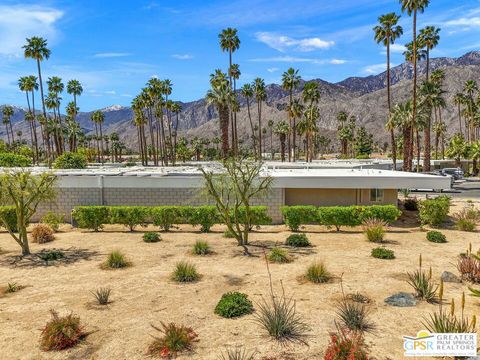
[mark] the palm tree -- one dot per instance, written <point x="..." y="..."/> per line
<point x="295" y="110"/>
<point x="7" y="113"/>
<point x="74" y="88"/>
<point x="310" y="95"/>
<point x="459" y="100"/>
<point x="247" y="93"/>
<point x="176" y="109"/>
<point x="260" y="96"/>
<point x="234" y="73"/>
<point x="457" y="149"/>
<point x="429" y="38"/>
<point x="412" y="7"/>
<point x="474" y="154"/>
<point x="290" y="82"/>
<point x="342" y="118"/>
<point x="386" y="33"/>
<point x="229" y="41"/>
<point x="98" y="118"/>
<point x="470" y="89"/>
<point x="28" y="84"/>
<point x="220" y="95"/>
<point x="282" y="129"/>
<point x="270" y="126"/>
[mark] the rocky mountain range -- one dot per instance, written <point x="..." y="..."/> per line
<point x="364" y="97"/>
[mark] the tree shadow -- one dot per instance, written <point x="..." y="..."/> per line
<point x="38" y="259"/>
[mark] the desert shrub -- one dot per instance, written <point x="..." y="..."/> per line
<point x="354" y="316"/>
<point x="423" y="284"/>
<point x="61" y="332"/>
<point x="436" y="237"/>
<point x="295" y="216"/>
<point x="346" y="345"/>
<point x="71" y="160"/>
<point x="410" y="204"/>
<point x="382" y="253"/>
<point x="297" y="240"/>
<point x="51" y="255"/>
<point x="14" y="160"/>
<point x="279" y="318"/>
<point x="237" y="353"/>
<point x="91" y="217"/>
<point x="12" y="287"/>
<point x="174" y="339"/>
<point x="42" y="233"/>
<point x="205" y="216"/>
<point x="201" y="248"/>
<point x="166" y="216"/>
<point x="434" y="212"/>
<point x="467" y="218"/>
<point x="116" y="260"/>
<point x="53" y="220"/>
<point x="185" y="272"/>
<point x="102" y="295"/>
<point x="317" y="273"/>
<point x="151" y="237"/>
<point x="468" y="265"/>
<point x="278" y="255"/>
<point x="130" y="216"/>
<point x="8" y="217"/>
<point x="233" y="304"/>
<point x="374" y="229"/>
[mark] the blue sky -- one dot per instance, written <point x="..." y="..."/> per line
<point x="114" y="47"/>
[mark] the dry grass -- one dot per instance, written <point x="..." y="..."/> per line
<point x="145" y="294"/>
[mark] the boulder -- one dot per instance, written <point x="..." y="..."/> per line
<point x="401" y="299"/>
<point x="447" y="276"/>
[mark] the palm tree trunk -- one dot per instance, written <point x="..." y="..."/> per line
<point x="389" y="99"/>
<point x="152" y="138"/>
<point x="290" y="127"/>
<point x="414" y="110"/>
<point x="417" y="134"/>
<point x="259" y="108"/>
<point x="282" y="145"/>
<point x="34" y="127"/>
<point x="101" y="143"/>
<point x="427" y="143"/>
<point x="224" y="114"/>
<point x="252" y="128"/>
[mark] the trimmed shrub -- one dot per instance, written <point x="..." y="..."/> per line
<point x="185" y="272"/>
<point x="91" y="217"/>
<point x="434" y="212"/>
<point x="53" y="220"/>
<point x="298" y="240"/>
<point x="410" y="204"/>
<point x="233" y="304"/>
<point x="295" y="216"/>
<point x="102" y="295"/>
<point x="374" y="229"/>
<point x="61" y="332"/>
<point x="174" y="339"/>
<point x="436" y="237"/>
<point x="339" y="216"/>
<point x="8" y="217"/>
<point x="205" y="216"/>
<point x="166" y="216"/>
<point x="71" y="160"/>
<point x="116" y="260"/>
<point x="42" y="233"/>
<point x="317" y="273"/>
<point x="151" y="237"/>
<point x="259" y="215"/>
<point x="201" y="248"/>
<point x="382" y="253"/>
<point x="279" y="256"/>
<point x="130" y="216"/>
<point x="14" y="160"/>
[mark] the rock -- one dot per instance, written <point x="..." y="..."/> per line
<point x="401" y="300"/>
<point x="447" y="276"/>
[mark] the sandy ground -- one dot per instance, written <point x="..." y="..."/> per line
<point x="144" y="294"/>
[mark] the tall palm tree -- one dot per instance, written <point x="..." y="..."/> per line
<point x="260" y="96"/>
<point x="474" y="154"/>
<point x="229" y="41"/>
<point x="98" y="117"/>
<point x="234" y="73"/>
<point x="7" y="113"/>
<point x="176" y="109"/>
<point x="74" y="88"/>
<point x="295" y="110"/>
<point x="311" y="97"/>
<point x="282" y="129"/>
<point x="220" y="95"/>
<point x="459" y="100"/>
<point x="290" y="82"/>
<point x="247" y="93"/>
<point x="28" y="84"/>
<point x="413" y="7"/>
<point x="270" y="127"/>
<point x="470" y="89"/>
<point x="386" y="33"/>
<point x="429" y="38"/>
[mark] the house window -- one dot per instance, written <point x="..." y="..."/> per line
<point x="376" y="195"/>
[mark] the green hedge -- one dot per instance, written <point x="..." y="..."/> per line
<point x="8" y="215"/>
<point x="434" y="212"/>
<point x="338" y="216"/>
<point x="14" y="160"/>
<point x="95" y="217"/>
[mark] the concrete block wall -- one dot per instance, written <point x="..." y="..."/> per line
<point x="68" y="198"/>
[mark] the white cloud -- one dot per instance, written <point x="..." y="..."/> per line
<point x="465" y="21"/>
<point x="182" y="56"/>
<point x="110" y="92"/>
<point x="283" y="43"/>
<point x="375" y="69"/>
<point x="111" y="55"/>
<point x="292" y="59"/>
<point x="273" y="69"/>
<point x="18" y="22"/>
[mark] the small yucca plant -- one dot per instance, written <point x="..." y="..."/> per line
<point x="354" y="316"/>
<point x="423" y="284"/>
<point x="278" y="255"/>
<point x="237" y="353"/>
<point x="185" y="272"/>
<point x="317" y="273"/>
<point x="201" y="248"/>
<point x="102" y="295"/>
